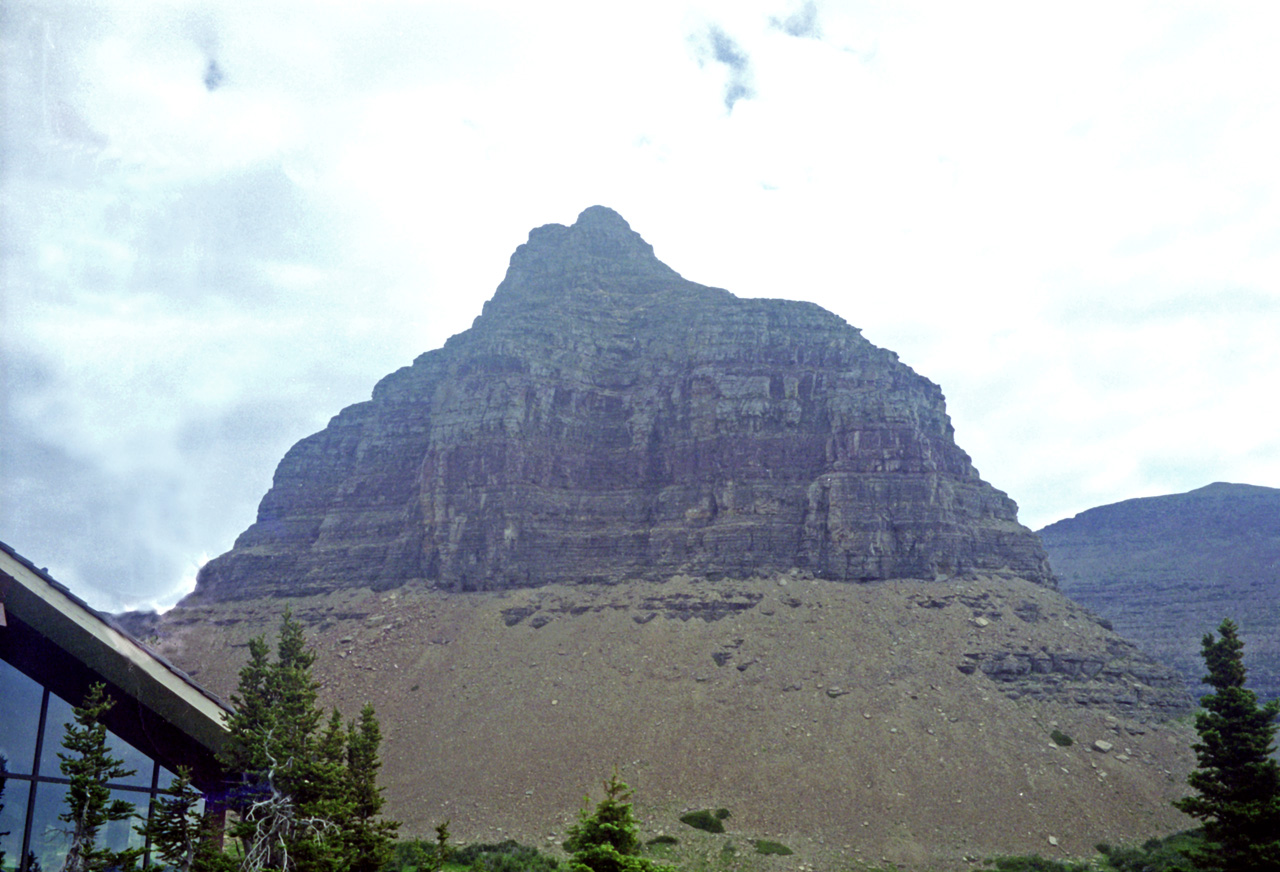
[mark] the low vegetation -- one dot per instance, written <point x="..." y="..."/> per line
<point x="764" y="846"/>
<point x="1154" y="855"/>
<point x="706" y="819"/>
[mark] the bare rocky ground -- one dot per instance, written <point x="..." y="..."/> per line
<point x="846" y="721"/>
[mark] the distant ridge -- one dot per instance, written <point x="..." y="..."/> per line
<point x="1166" y="570"/>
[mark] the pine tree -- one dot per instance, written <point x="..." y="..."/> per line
<point x="1238" y="781"/>
<point x="370" y="836"/>
<point x="608" y="840"/>
<point x="301" y="805"/>
<point x="89" y="766"/>
<point x="435" y="858"/>
<point x="181" y="835"/>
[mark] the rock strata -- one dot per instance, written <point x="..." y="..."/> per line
<point x="605" y="419"/>
<point x="1166" y="570"/>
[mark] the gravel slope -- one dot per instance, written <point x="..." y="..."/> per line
<point x="831" y="717"/>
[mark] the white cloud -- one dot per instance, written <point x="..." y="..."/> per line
<point x="1065" y="216"/>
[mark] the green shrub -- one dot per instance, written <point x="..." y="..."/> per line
<point x="524" y="860"/>
<point x="764" y="846"/>
<point x="703" y="819"/>
<point x="723" y="814"/>
<point x="1061" y="739"/>
<point x="663" y="839"/>
<point x="419" y="855"/>
<point x="1155" y="855"/>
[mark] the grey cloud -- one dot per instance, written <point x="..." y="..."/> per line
<point x="123" y="531"/>
<point x="118" y="241"/>
<point x="213" y="76"/>
<point x="96" y="532"/>
<point x="720" y="48"/>
<point x="801" y="23"/>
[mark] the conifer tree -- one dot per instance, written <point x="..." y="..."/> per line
<point x="608" y="840"/>
<point x="181" y="835"/>
<point x="441" y="851"/>
<point x="370" y="836"/>
<point x="301" y="805"/>
<point x="1238" y="782"/>
<point x="89" y="766"/>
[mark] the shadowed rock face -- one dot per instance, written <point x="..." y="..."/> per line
<point x="605" y="419"/>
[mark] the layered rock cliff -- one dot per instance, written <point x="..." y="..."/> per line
<point x="605" y="419"/>
<point x="1166" y="570"/>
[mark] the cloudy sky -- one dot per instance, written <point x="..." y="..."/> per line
<point x="224" y="221"/>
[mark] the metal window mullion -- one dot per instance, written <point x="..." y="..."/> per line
<point x="35" y="779"/>
<point x="151" y="804"/>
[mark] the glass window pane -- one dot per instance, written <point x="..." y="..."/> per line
<point x="59" y="715"/>
<point x="48" y="834"/>
<point x="21" y="718"/>
<point x="132" y="758"/>
<point x="118" y="835"/>
<point x="13" y="816"/>
<point x="55" y="730"/>
<point x="166" y="779"/>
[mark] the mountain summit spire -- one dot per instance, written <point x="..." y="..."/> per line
<point x="599" y="250"/>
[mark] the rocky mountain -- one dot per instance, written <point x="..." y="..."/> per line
<point x="726" y="546"/>
<point x="605" y="419"/>
<point x="1166" y="570"/>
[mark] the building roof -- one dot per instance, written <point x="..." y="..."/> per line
<point x="30" y="596"/>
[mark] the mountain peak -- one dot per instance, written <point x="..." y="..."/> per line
<point x="603" y="218"/>
<point x="607" y="420"/>
<point x="599" y="248"/>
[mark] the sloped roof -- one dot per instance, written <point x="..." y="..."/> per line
<point x="30" y="595"/>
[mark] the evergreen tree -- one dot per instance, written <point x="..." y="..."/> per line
<point x="181" y="835"/>
<point x="89" y="766"/>
<point x="433" y="860"/>
<point x="608" y="840"/>
<point x="369" y="836"/>
<point x="301" y="806"/>
<point x="1237" y="783"/>
<point x="333" y="743"/>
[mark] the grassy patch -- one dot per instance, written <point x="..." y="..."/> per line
<point x="1061" y="739"/>
<point x="764" y="846"/>
<point x="704" y="819"/>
